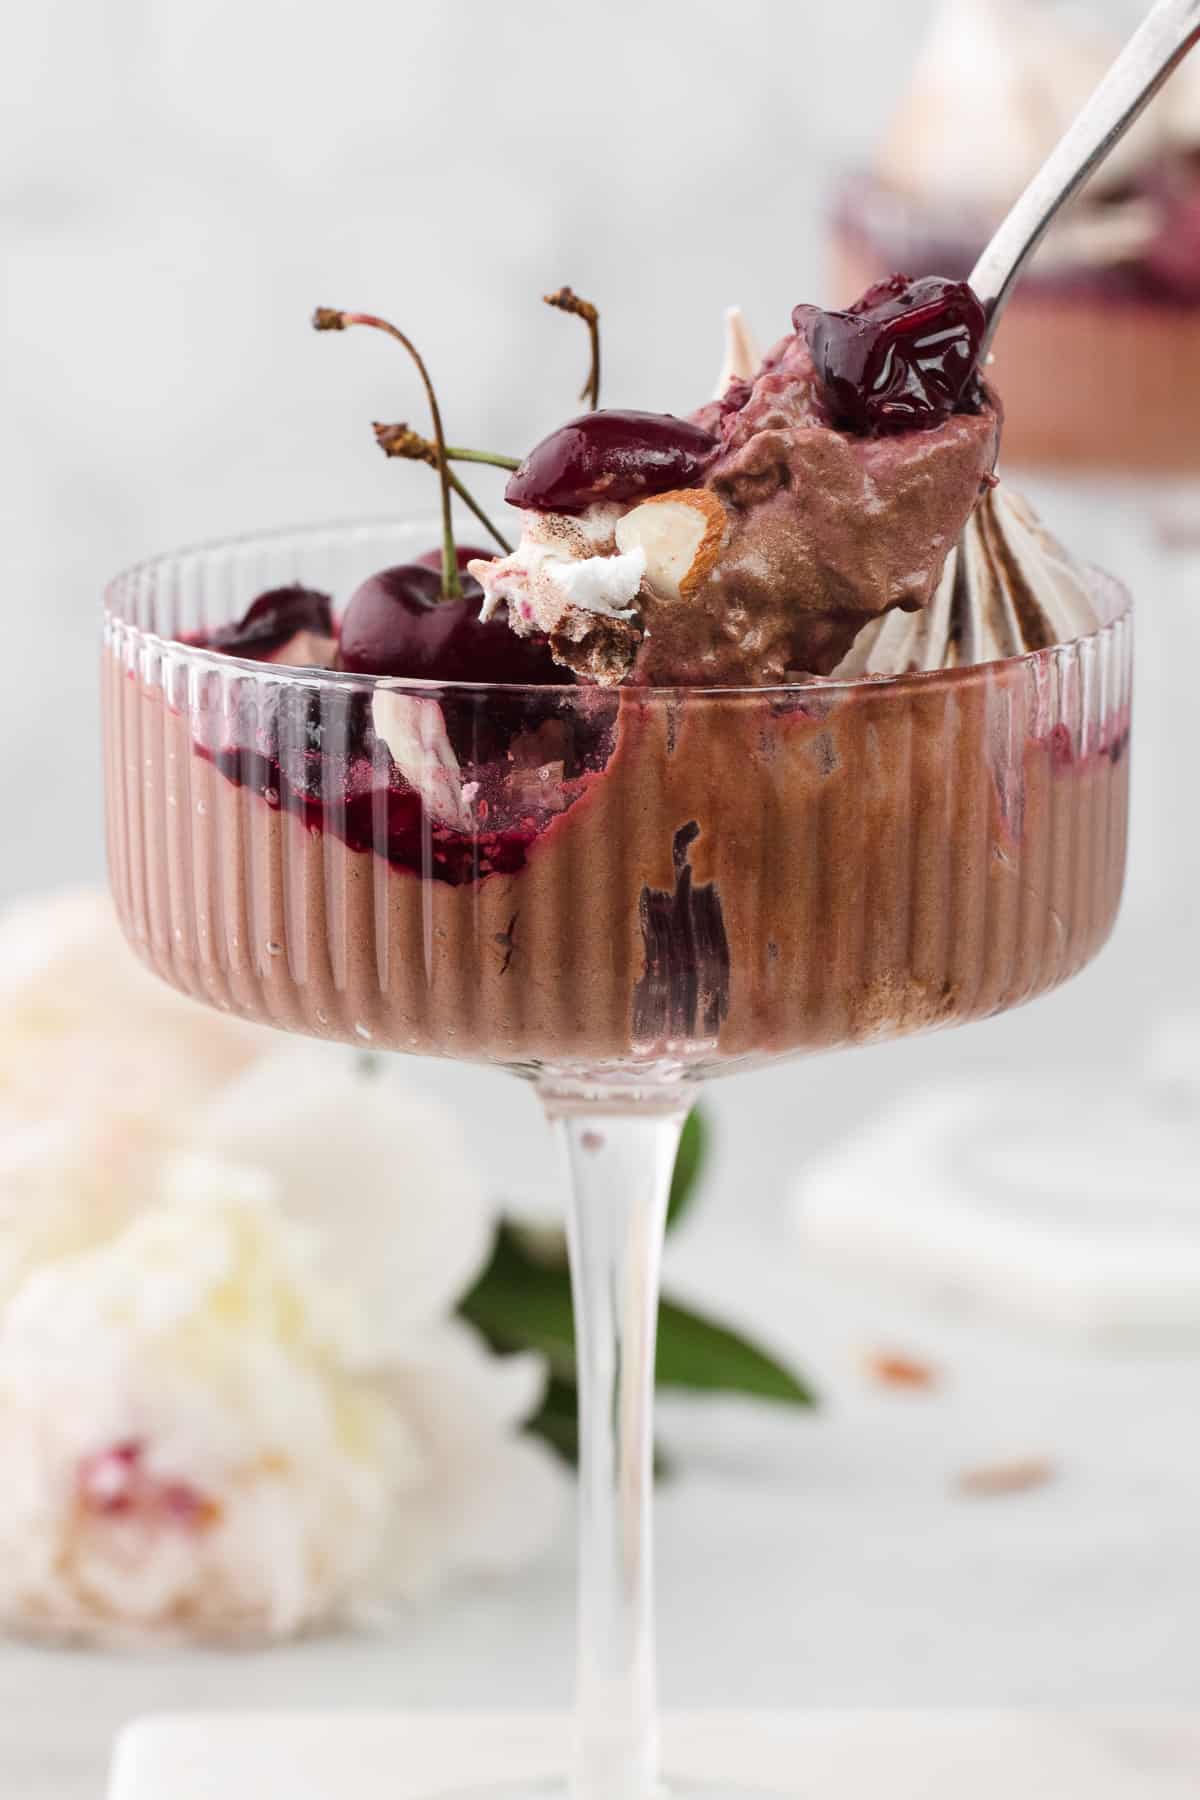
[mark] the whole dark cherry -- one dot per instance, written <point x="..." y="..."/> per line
<point x="611" y="455"/>
<point x="273" y="620"/>
<point x="396" y="623"/>
<point x="903" y="358"/>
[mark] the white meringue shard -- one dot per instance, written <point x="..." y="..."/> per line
<point x="1008" y="588"/>
<point x="742" y="355"/>
<point x="414" y="732"/>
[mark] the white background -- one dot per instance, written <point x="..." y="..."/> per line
<point x="180" y="182"/>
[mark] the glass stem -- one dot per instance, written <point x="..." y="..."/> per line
<point x="620" y="1165"/>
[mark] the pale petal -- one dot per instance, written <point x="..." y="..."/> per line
<point x="202" y="1362"/>
<point x="380" y="1171"/>
<point x="58" y="1191"/>
<point x="491" y="1499"/>
<point x="87" y="1034"/>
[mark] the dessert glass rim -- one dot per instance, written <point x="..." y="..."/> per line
<point x="1116" y="610"/>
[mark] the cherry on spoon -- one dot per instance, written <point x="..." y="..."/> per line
<point x="1156" y="48"/>
<point x="903" y="358"/>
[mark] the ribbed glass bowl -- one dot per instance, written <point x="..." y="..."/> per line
<point x="642" y="882"/>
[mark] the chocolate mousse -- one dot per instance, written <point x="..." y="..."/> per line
<point x="718" y="765"/>
<point x="824" y="492"/>
<point x="1098" y="356"/>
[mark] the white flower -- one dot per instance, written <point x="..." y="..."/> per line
<point x="234" y="1398"/>
<point x="69" y="983"/>
<point x="381" y="1171"/>
<point x="99" y="1064"/>
<point x="186" y="1444"/>
<point x="57" y="1195"/>
<point x="490" y="1498"/>
<point x="406" y="1223"/>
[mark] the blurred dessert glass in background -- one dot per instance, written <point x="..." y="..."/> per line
<point x="1098" y="358"/>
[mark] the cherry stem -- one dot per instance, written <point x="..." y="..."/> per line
<point x="566" y="300"/>
<point x="402" y="441"/>
<point x="327" y="318"/>
<point x="468" y="499"/>
<point x="457" y="454"/>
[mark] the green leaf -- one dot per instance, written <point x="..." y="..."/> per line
<point x="689" y="1166"/>
<point x="696" y="1353"/>
<point x="557" y="1420"/>
<point x="519" y="1303"/>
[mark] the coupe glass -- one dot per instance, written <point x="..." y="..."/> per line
<point x="615" y="895"/>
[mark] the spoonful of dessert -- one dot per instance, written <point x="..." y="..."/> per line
<point x="1157" y="47"/>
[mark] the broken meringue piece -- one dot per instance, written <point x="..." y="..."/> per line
<point x="573" y="535"/>
<point x="679" y="535"/>
<point x="523" y="579"/>
<point x="570" y="580"/>
<point x="742" y="355"/>
<point x="414" y="731"/>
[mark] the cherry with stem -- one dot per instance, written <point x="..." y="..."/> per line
<point x="567" y="301"/>
<point x="328" y="318"/>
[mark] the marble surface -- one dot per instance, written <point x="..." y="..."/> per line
<point x="847" y="1756"/>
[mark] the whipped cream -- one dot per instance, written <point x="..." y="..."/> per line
<point x="601" y="584"/>
<point x="1008" y="588"/>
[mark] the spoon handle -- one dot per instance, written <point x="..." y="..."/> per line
<point x="1156" y="48"/>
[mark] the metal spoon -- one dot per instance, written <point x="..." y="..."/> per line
<point x="1156" y="48"/>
